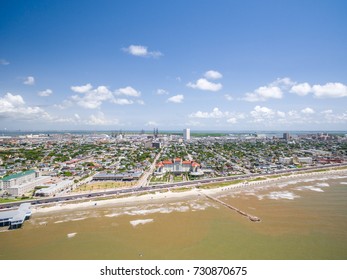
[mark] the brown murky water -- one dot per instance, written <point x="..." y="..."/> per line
<point x="301" y="220"/>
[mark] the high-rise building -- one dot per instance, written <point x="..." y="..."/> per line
<point x="186" y="134"/>
<point x="286" y="136"/>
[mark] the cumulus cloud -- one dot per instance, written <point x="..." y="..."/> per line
<point x="129" y="91"/>
<point x="329" y="90"/>
<point x="151" y="123"/>
<point x="262" y="113"/>
<point x="307" y="111"/>
<point x="333" y="90"/>
<point x="142" y="51"/>
<point x="13" y="106"/>
<point x="281" y="114"/>
<point x="215" y="113"/>
<point x="176" y="98"/>
<point x="232" y="120"/>
<point x="285" y="82"/>
<point x="100" y="119"/>
<point x="91" y="98"/>
<point x="30" y="80"/>
<point x="213" y="75"/>
<point x="204" y="84"/>
<point x="82" y="89"/>
<point x="301" y="89"/>
<point x="122" y="101"/>
<point x="327" y="111"/>
<point x="264" y="93"/>
<point x="45" y="93"/>
<point x="161" y="91"/>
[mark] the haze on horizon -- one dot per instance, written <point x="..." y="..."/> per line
<point x="215" y="65"/>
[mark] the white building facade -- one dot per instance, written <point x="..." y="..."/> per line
<point x="186" y="134"/>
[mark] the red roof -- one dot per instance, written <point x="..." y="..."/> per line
<point x="194" y="164"/>
<point x="167" y="162"/>
<point x="177" y="159"/>
<point x="186" y="162"/>
<point x="160" y="164"/>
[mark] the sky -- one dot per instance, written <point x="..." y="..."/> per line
<point x="226" y="65"/>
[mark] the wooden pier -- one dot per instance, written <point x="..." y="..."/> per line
<point x="251" y="217"/>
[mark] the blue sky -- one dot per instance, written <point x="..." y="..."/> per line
<point x="206" y="65"/>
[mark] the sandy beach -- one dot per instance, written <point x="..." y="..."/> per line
<point x="193" y="192"/>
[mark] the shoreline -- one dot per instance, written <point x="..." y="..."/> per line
<point x="185" y="194"/>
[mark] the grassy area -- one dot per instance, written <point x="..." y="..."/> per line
<point x="158" y="180"/>
<point x="103" y="186"/>
<point x="183" y="189"/>
<point x="218" y="185"/>
<point x="257" y="179"/>
<point x="7" y="200"/>
<point x="178" y="178"/>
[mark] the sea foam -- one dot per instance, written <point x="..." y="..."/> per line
<point x="72" y="234"/>
<point x="140" y="222"/>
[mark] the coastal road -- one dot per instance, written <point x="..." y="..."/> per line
<point x="163" y="186"/>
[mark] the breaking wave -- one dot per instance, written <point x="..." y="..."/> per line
<point x="140" y="222"/>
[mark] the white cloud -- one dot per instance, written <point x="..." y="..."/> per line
<point x="141" y="102"/>
<point x="215" y="113"/>
<point x="138" y="50"/>
<point x="45" y="93"/>
<point x="100" y="119"/>
<point x="204" y="84"/>
<point x="327" y="111"/>
<point x="82" y="89"/>
<point x="161" y="91"/>
<point x="283" y="82"/>
<point x="152" y="123"/>
<point x="329" y="90"/>
<point x="228" y="97"/>
<point x="261" y="113"/>
<point x="307" y="111"/>
<point x="30" y="80"/>
<point x="334" y="90"/>
<point x="301" y="89"/>
<point x="264" y="93"/>
<point x="176" y="98"/>
<point x="13" y="106"/>
<point x="281" y="114"/>
<point x="65" y="104"/>
<point x="122" y="101"/>
<point x="129" y="91"/>
<point x="91" y="98"/>
<point x="77" y="116"/>
<point x="193" y="123"/>
<point x="213" y="75"/>
<point x="4" y="62"/>
<point x="232" y="120"/>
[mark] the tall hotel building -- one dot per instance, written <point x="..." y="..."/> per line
<point x="186" y="134"/>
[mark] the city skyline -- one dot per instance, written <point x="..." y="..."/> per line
<point x="228" y="65"/>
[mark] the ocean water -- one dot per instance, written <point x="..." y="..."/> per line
<point x="300" y="219"/>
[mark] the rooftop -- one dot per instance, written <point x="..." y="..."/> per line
<point x="17" y="175"/>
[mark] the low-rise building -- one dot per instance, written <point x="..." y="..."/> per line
<point x="52" y="189"/>
<point x="19" y="178"/>
<point x="126" y="176"/>
<point x="285" y="160"/>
